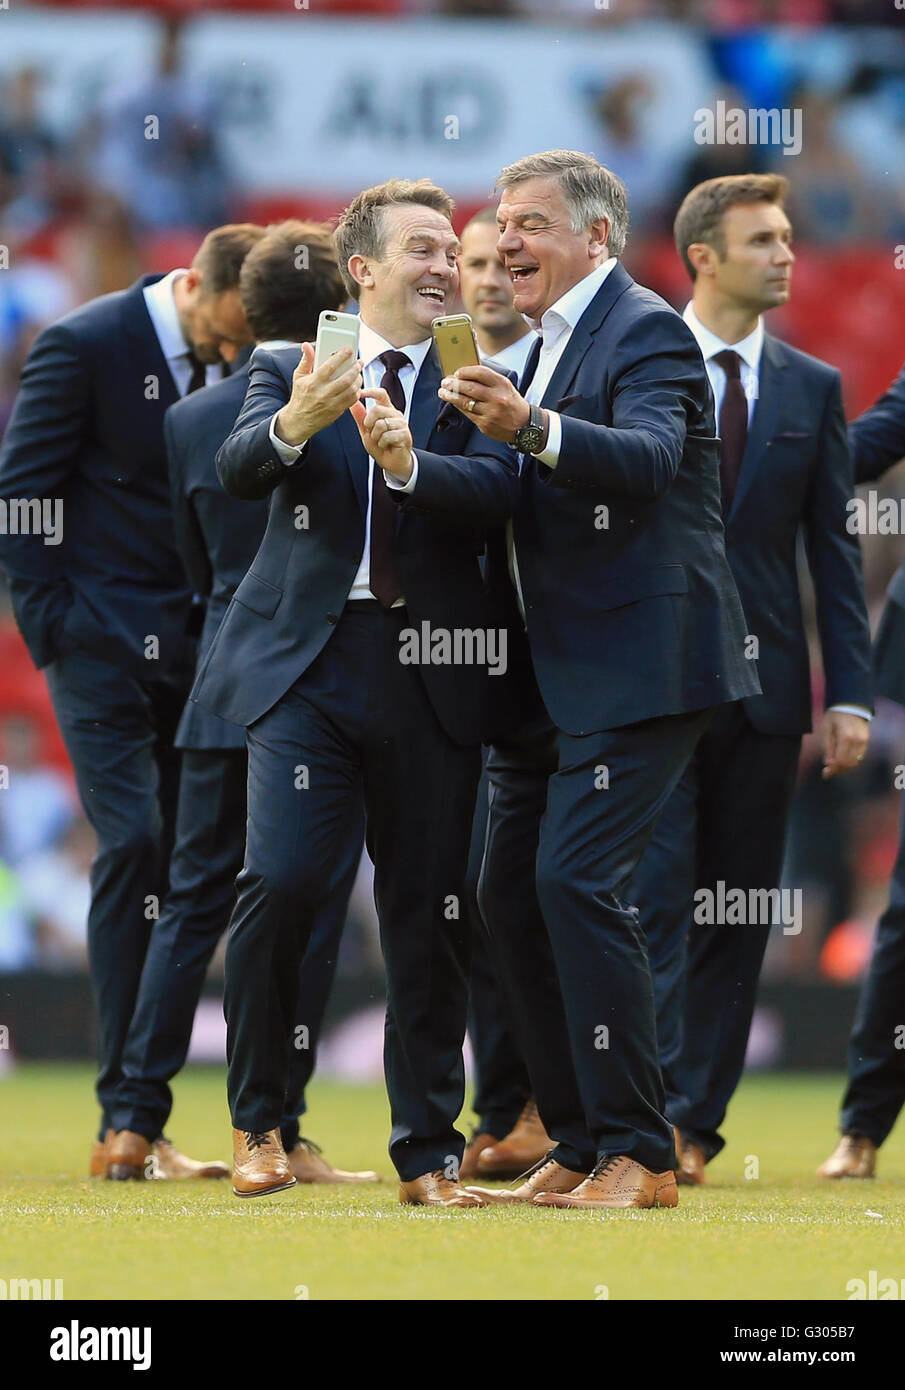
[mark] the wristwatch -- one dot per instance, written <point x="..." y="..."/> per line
<point x="530" y="437"/>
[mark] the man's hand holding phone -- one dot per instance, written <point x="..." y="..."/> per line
<point x="318" y="397"/>
<point x="385" y="434"/>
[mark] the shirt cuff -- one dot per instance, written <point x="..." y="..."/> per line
<point x="550" y="454"/>
<point x="394" y="483"/>
<point x="288" y="453"/>
<point x="851" y="709"/>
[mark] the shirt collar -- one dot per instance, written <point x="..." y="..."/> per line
<point x="273" y="343"/>
<point x="164" y="318"/>
<point x="371" y="345"/>
<point x="570" y="306"/>
<point x="749" y="349"/>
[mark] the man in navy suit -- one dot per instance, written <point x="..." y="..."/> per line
<point x="635" y="633"/>
<point x="876" y="1060"/>
<point x="344" y="653"/>
<point x="106" y="613"/>
<point x="217" y="538"/>
<point x="785" y="470"/>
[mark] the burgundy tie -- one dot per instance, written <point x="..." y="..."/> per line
<point x="384" y="581"/>
<point x="733" y="425"/>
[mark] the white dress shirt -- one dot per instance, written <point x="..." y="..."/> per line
<point x="749" y="350"/>
<point x="165" y="322"/>
<point x="556" y="327"/>
<point x="513" y="357"/>
<point x="370" y="346"/>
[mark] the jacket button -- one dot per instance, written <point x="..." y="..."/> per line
<point x="332" y="619"/>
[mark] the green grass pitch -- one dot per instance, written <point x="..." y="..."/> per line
<point x="781" y="1234"/>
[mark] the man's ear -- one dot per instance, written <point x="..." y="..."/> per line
<point x="360" y="270"/>
<point x="193" y="279"/>
<point x="703" y="257"/>
<point x="599" y="237"/>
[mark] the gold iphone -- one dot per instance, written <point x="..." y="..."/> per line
<point x="456" y="343"/>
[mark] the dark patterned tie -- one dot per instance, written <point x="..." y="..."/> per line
<point x="733" y="425"/>
<point x="384" y="581"/>
<point x="199" y="374"/>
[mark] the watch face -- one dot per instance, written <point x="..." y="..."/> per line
<point x="529" y="438"/>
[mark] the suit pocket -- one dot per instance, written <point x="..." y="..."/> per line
<point x="663" y="579"/>
<point x="260" y="596"/>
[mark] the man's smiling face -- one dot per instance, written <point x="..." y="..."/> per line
<point x="541" y="253"/>
<point x="416" y="277"/>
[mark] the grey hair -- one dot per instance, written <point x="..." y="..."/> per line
<point x="590" y="190"/>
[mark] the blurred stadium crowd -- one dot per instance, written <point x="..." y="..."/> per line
<point x="87" y="205"/>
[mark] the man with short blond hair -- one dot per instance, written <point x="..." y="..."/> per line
<point x="325" y="618"/>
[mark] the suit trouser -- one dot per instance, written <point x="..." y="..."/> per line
<point x="876" y="1056"/>
<point x="357" y="712"/>
<point x="207" y="856"/>
<point x="569" y="819"/>
<point x="500" y="1074"/>
<point x="119" y="734"/>
<point x="726" y="821"/>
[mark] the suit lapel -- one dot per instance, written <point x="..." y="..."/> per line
<point x="356" y="457"/>
<point x="425" y="401"/>
<point x="144" y="343"/>
<point x="615" y="284"/>
<point x="763" y="421"/>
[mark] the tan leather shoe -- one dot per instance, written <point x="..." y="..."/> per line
<point x="546" y="1176"/>
<point x="98" y="1165"/>
<point x="260" y="1164"/>
<point x="167" y="1162"/>
<point x="473" y="1150"/>
<point x="618" y="1182"/>
<point x="307" y="1164"/>
<point x="436" y="1190"/>
<point x="692" y="1162"/>
<point x="525" y="1144"/>
<point x="853" y="1157"/>
<point x="129" y="1157"/>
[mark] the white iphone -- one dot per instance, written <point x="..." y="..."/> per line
<point x="336" y="331"/>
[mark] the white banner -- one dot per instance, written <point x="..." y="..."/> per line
<point x="329" y="106"/>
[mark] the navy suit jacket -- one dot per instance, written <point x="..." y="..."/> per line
<point x="630" y="605"/>
<point x="796" y="476"/>
<point x="216" y="535"/>
<point x="289" y="602"/>
<point x="878" y="443"/>
<point x="87" y="427"/>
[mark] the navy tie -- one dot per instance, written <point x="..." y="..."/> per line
<point x="384" y="581"/>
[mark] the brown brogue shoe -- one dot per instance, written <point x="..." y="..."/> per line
<point x="129" y="1157"/>
<point x="260" y="1164"/>
<point x="525" y="1144"/>
<point x="692" y="1162"/>
<point x="167" y="1162"/>
<point x="473" y="1149"/>
<point x="437" y="1190"/>
<point x="853" y="1157"/>
<point x="546" y="1176"/>
<point x="98" y="1165"/>
<point x="307" y="1164"/>
<point x="618" y="1182"/>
